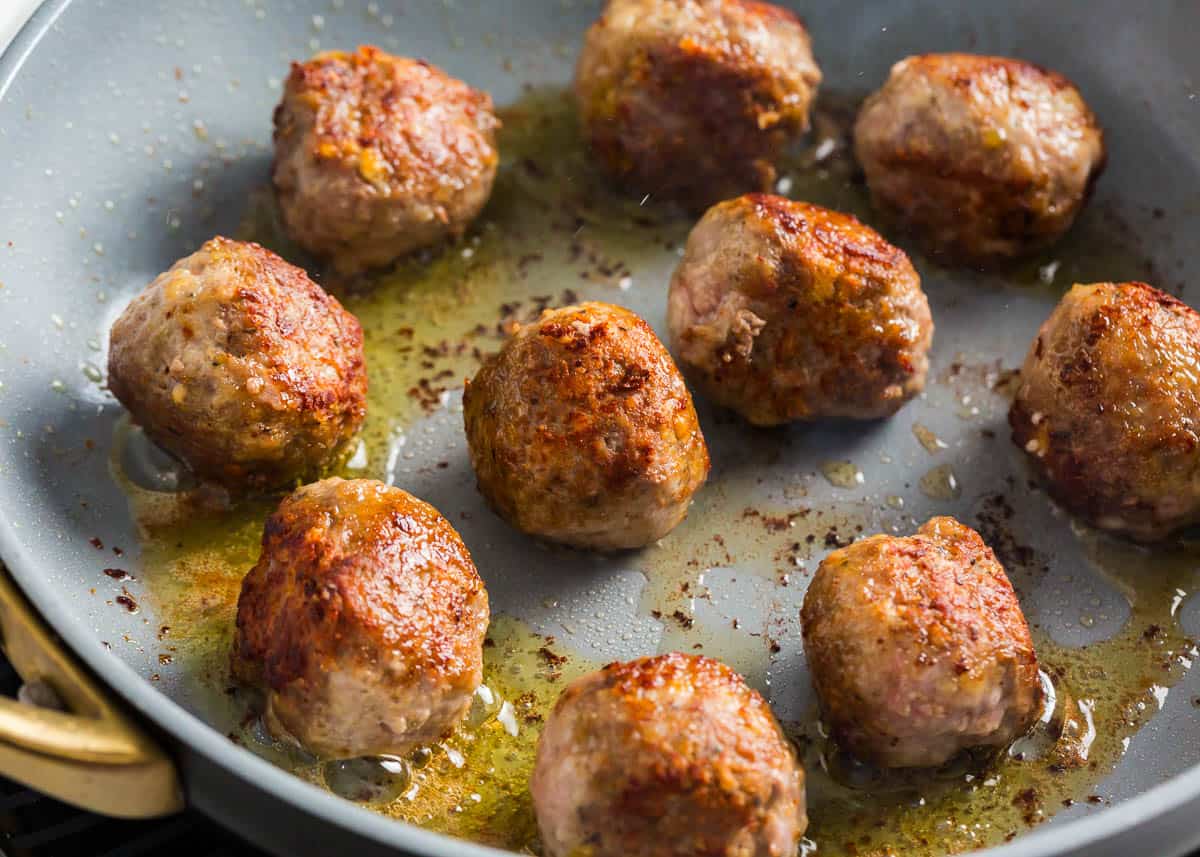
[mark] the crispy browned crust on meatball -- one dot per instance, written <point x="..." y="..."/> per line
<point x="239" y="364"/>
<point x="918" y="647"/>
<point x="582" y="431"/>
<point x="785" y="311"/>
<point x="363" y="620"/>
<point x="1109" y="408"/>
<point x="694" y="99"/>
<point x="378" y="155"/>
<point x="983" y="158"/>
<point x="670" y="755"/>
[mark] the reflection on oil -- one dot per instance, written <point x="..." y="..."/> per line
<point x="430" y="320"/>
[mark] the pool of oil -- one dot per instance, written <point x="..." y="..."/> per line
<point x="729" y="581"/>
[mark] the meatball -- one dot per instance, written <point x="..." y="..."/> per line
<point x="918" y="648"/>
<point x="240" y="365"/>
<point x="694" y="99"/>
<point x="377" y="155"/>
<point x="670" y="755"/>
<point x="1109" y="408"/>
<point x="363" y="621"/>
<point x="786" y="311"/>
<point x="982" y="158"/>
<point x="581" y="430"/>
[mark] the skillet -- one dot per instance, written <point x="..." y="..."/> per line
<point x="102" y="153"/>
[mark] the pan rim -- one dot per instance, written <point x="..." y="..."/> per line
<point x="1124" y="819"/>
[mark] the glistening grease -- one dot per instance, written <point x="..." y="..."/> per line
<point x="553" y="233"/>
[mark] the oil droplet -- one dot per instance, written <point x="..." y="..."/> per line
<point x="932" y="443"/>
<point x="508" y="718"/>
<point x="1047" y="272"/>
<point x="842" y="474"/>
<point x="483" y="707"/>
<point x="145" y="465"/>
<point x="92" y="372"/>
<point x="381" y="779"/>
<point x="455" y="756"/>
<point x="895" y="501"/>
<point x="359" y="460"/>
<point x="940" y="483"/>
<point x="967" y="409"/>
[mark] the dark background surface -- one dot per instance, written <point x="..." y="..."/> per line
<point x="35" y="826"/>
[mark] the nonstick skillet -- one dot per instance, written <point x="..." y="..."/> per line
<point x="131" y="132"/>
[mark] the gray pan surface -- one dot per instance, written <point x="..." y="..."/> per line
<point x="130" y="132"/>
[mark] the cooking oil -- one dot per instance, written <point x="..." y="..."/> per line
<point x="431" y="319"/>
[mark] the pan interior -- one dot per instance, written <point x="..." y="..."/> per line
<point x="123" y="163"/>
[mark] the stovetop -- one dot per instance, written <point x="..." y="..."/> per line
<point x="32" y="825"/>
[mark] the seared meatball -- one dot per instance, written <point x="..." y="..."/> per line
<point x="694" y="99"/>
<point x="377" y="155"/>
<point x="668" y="756"/>
<point x="918" y="647"/>
<point x="1109" y="408"/>
<point x="581" y="430"/>
<point x="786" y="311"/>
<point x="363" y="621"/>
<point x="239" y="364"/>
<point x="983" y="158"/>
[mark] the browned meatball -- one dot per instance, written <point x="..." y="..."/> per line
<point x="377" y="155"/>
<point x="1109" y="408"/>
<point x="983" y="158"/>
<point x="239" y="364"/>
<point x="581" y="430"/>
<point x="694" y="99"/>
<point x="669" y="756"/>
<point x="363" y="621"/>
<point x="918" y="647"/>
<point x="786" y="311"/>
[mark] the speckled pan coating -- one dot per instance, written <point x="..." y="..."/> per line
<point x="166" y="115"/>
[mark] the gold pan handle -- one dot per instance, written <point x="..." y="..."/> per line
<point x="65" y="736"/>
